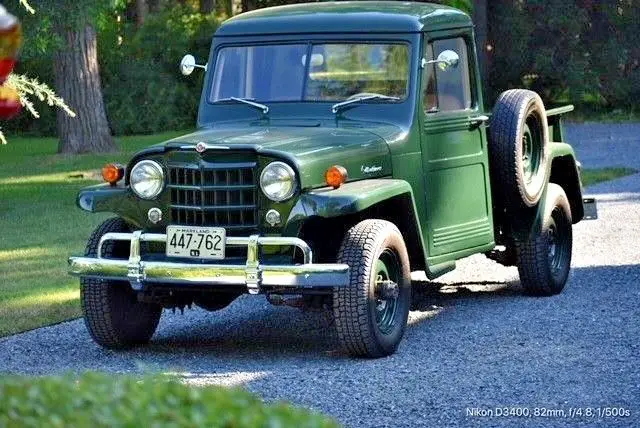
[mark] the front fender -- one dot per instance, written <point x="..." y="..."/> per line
<point x="350" y="198"/>
<point x="394" y="197"/>
<point x="118" y="200"/>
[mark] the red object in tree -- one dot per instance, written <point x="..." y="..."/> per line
<point x="6" y="67"/>
<point x="10" y="42"/>
<point x="10" y="104"/>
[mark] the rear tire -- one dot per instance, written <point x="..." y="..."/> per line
<point x="112" y="313"/>
<point x="371" y="313"/>
<point x="518" y="152"/>
<point x="544" y="260"/>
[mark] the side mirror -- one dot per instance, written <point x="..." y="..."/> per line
<point x="188" y="64"/>
<point x="446" y="60"/>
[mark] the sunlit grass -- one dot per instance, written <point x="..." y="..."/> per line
<point x="57" y="177"/>
<point x="594" y="176"/>
<point x="40" y="226"/>
<point x="54" y="298"/>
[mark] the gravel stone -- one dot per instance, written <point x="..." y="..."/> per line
<point x="474" y="340"/>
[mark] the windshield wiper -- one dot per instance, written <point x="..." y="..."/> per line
<point x="336" y="107"/>
<point x="247" y="101"/>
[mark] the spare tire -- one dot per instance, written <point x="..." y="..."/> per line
<point x="518" y="150"/>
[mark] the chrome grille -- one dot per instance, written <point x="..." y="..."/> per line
<point x="214" y="194"/>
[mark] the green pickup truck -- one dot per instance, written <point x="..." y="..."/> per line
<point x="339" y="147"/>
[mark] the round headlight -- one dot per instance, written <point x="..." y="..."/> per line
<point x="147" y="179"/>
<point x="278" y="181"/>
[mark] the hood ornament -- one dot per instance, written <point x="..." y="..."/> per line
<point x="201" y="147"/>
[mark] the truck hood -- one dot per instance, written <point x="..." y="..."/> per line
<point x="311" y="149"/>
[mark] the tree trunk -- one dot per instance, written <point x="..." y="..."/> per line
<point x="142" y="10"/>
<point x="207" y="6"/>
<point x="77" y="79"/>
<point x="480" y="21"/>
<point x="248" y="5"/>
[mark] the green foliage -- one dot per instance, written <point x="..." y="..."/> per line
<point x="100" y="400"/>
<point x="29" y="88"/>
<point x="142" y="88"/>
<point x="595" y="176"/>
<point x="577" y="51"/>
<point x="537" y="44"/>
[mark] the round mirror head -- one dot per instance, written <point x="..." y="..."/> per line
<point x="448" y="59"/>
<point x="187" y="65"/>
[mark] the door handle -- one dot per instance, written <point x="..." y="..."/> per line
<point x="478" y="120"/>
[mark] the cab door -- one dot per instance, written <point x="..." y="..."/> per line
<point x="454" y="149"/>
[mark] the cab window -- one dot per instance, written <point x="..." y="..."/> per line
<point x="450" y="89"/>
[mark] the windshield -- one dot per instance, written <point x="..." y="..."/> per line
<point x="320" y="72"/>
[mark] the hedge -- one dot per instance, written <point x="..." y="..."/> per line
<point x="100" y="400"/>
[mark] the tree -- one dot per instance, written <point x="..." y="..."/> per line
<point x="142" y="10"/>
<point x="482" y="35"/>
<point x="20" y="85"/>
<point x="207" y="6"/>
<point x="77" y="80"/>
<point x="77" y="76"/>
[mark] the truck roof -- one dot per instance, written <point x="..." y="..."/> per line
<point x="346" y="17"/>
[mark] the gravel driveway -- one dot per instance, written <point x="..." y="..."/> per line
<point x="473" y="342"/>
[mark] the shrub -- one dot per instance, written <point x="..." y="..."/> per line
<point x="142" y="87"/>
<point x="143" y="90"/>
<point x="100" y="400"/>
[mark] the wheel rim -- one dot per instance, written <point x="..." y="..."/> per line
<point x="531" y="152"/>
<point x="386" y="279"/>
<point x="558" y="242"/>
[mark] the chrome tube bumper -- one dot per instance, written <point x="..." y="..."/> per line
<point x="252" y="274"/>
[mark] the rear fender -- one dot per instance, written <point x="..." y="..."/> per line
<point x="563" y="172"/>
<point x="566" y="173"/>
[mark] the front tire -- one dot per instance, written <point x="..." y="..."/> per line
<point x="371" y="313"/>
<point x="112" y="313"/>
<point x="544" y="260"/>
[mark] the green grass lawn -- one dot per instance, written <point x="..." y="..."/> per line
<point x="40" y="226"/>
<point x="593" y="176"/>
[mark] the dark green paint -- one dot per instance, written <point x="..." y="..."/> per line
<point x="350" y="198"/>
<point x="345" y="17"/>
<point x="439" y="160"/>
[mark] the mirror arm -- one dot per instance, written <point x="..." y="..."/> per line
<point x="438" y="61"/>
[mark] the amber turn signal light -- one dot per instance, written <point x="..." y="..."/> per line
<point x="112" y="173"/>
<point x="335" y="176"/>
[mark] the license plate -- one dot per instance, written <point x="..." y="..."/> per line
<point x="196" y="242"/>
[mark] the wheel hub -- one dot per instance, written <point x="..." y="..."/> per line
<point x="386" y="291"/>
<point x="530" y="153"/>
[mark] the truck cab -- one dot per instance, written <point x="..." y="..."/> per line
<point x="339" y="147"/>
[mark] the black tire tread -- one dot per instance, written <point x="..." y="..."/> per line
<point x="351" y="304"/>
<point x="533" y="264"/>
<point x="97" y="298"/>
<point x="504" y="153"/>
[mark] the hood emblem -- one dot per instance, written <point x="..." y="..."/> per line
<point x="201" y="147"/>
<point x="365" y="169"/>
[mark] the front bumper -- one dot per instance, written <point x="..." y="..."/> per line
<point x="253" y="275"/>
